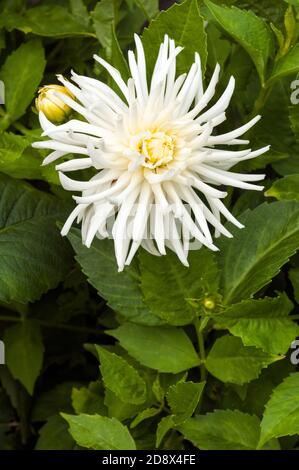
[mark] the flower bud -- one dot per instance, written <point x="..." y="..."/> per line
<point x="209" y="303"/>
<point x="51" y="105"/>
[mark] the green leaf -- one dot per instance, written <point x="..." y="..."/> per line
<point x="222" y="430"/>
<point x="54" y="435"/>
<point x="294" y="276"/>
<point x="46" y="20"/>
<point x="247" y="200"/>
<point x="21" y="74"/>
<point x="89" y="399"/>
<point x="255" y="255"/>
<point x="184" y="24"/>
<point x="12" y="147"/>
<point x="287" y="65"/>
<point x="166" y="349"/>
<point x="249" y="30"/>
<point x="24" y="352"/>
<point x="163" y="427"/>
<point x="281" y="416"/>
<point x="183" y="398"/>
<point x="230" y="361"/>
<point x="263" y="323"/>
<point x="149" y="7"/>
<point x="120" y="377"/>
<point x="279" y="133"/>
<point x="19" y="160"/>
<point x="103" y="20"/>
<point x="144" y="414"/>
<point x="34" y="257"/>
<point x="121" y="290"/>
<point x="279" y="36"/>
<point x="119" y="409"/>
<point x="99" y="433"/>
<point x="166" y="284"/>
<point x="293" y="2"/>
<point x="79" y="12"/>
<point x="219" y="48"/>
<point x="285" y="188"/>
<point x="118" y="60"/>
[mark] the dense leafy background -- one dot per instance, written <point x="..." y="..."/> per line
<point x="159" y="356"/>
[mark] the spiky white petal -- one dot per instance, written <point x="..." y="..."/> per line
<point x="154" y="153"/>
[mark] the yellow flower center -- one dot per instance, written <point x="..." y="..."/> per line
<point x="157" y="148"/>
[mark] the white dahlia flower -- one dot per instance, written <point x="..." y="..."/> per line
<point x="154" y="154"/>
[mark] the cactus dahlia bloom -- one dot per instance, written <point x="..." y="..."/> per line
<point x="155" y="155"/>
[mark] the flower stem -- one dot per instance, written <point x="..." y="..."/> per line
<point x="261" y="100"/>
<point x="19" y="127"/>
<point x="199" y="325"/>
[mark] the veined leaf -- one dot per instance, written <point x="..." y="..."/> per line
<point x="287" y="65"/>
<point x="80" y="12"/>
<point x="34" y="257"/>
<point x="222" y="430"/>
<point x="103" y="20"/>
<point x="121" y="290"/>
<point x="149" y="7"/>
<point x="99" y="432"/>
<point x="166" y="349"/>
<point x="89" y="399"/>
<point x="281" y="416"/>
<point x="120" y="377"/>
<point x="183" y="398"/>
<point x="54" y="435"/>
<point x="118" y="60"/>
<point x="184" y="24"/>
<point x="144" y="414"/>
<point x="21" y="74"/>
<point x="263" y="323"/>
<point x="230" y="361"/>
<point x="255" y="255"/>
<point x="166" y="284"/>
<point x="24" y="352"/>
<point x="46" y="20"/>
<point x="248" y="30"/>
<point x="163" y="427"/>
<point x="285" y="188"/>
<point x="18" y="160"/>
<point x="119" y="409"/>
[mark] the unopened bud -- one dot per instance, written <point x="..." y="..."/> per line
<point x="209" y="303"/>
<point x="52" y="105"/>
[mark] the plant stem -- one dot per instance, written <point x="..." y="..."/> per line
<point x="59" y="326"/>
<point x="199" y="326"/>
<point x="19" y="127"/>
<point x="4" y="122"/>
<point x="261" y="100"/>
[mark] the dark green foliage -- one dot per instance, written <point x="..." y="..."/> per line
<point x="160" y="355"/>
